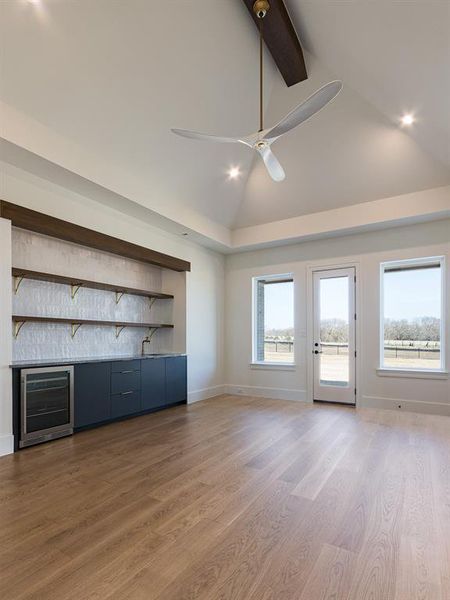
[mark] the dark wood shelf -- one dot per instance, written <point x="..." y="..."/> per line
<point x="77" y="283"/>
<point x="20" y="320"/>
<point x="31" y="220"/>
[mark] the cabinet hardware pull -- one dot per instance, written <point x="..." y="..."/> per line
<point x="126" y="393"/>
<point x="130" y="371"/>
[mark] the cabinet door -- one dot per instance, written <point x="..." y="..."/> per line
<point x="92" y="393"/>
<point x="176" y="379"/>
<point x="153" y="383"/>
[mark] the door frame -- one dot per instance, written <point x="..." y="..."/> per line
<point x="329" y="266"/>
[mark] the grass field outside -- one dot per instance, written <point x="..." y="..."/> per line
<point x="334" y="358"/>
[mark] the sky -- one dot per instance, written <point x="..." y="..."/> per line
<point x="334" y="298"/>
<point x="278" y="306"/>
<point x="407" y="295"/>
<point x="411" y="294"/>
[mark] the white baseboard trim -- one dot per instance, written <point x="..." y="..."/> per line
<point x="6" y="444"/>
<point x="205" y="393"/>
<point x="430" y="408"/>
<point x="268" y="392"/>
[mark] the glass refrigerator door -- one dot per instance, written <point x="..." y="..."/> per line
<point x="47" y="400"/>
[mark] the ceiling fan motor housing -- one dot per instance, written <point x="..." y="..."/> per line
<point x="260" y="8"/>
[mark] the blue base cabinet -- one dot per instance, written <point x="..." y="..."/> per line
<point x="106" y="391"/>
<point x="92" y="393"/>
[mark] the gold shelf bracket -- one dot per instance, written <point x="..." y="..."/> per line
<point x="75" y="328"/>
<point x="17" y="327"/>
<point x="119" y="329"/>
<point x="17" y="281"/>
<point x="119" y="296"/>
<point x="151" y="333"/>
<point x="74" y="288"/>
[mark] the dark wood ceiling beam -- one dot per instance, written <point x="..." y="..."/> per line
<point x="69" y="232"/>
<point x="282" y="41"/>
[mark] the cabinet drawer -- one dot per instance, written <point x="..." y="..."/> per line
<point x="124" y="382"/>
<point x="124" y="366"/>
<point x="126" y="403"/>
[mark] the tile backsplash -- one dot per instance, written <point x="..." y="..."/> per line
<point x="39" y="298"/>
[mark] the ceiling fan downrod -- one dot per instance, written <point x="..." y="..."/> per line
<point x="260" y="8"/>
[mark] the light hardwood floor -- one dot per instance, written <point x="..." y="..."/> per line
<point x="232" y="498"/>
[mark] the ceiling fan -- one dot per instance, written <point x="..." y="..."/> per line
<point x="262" y="140"/>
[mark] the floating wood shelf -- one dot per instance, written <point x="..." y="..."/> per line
<point x="20" y="320"/>
<point x="76" y="284"/>
<point x="31" y="220"/>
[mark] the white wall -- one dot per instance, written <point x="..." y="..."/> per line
<point x="367" y="251"/>
<point x="6" y="438"/>
<point x="204" y="284"/>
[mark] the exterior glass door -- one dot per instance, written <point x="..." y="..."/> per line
<point x="334" y="335"/>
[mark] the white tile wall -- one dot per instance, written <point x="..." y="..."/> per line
<point x="45" y="340"/>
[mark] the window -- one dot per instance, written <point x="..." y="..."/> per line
<point x="273" y="319"/>
<point x="412" y="323"/>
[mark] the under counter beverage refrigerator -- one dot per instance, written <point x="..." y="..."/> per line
<point x="46" y="404"/>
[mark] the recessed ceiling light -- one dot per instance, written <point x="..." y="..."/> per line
<point x="407" y="119"/>
<point x="234" y="173"/>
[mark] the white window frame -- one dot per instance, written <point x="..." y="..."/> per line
<point x="404" y="371"/>
<point x="263" y="364"/>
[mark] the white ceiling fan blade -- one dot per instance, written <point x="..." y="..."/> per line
<point x="273" y="166"/>
<point x="305" y="110"/>
<point x="206" y="137"/>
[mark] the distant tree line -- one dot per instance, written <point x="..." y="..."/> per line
<point x="420" y="329"/>
<point x="282" y="334"/>
<point x="336" y="330"/>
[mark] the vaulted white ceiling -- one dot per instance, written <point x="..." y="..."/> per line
<point x="95" y="86"/>
<point x="396" y="55"/>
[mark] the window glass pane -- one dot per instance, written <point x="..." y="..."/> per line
<point x="334" y="331"/>
<point x="412" y="317"/>
<point x="274" y="321"/>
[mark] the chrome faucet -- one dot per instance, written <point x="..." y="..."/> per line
<point x="146" y="340"/>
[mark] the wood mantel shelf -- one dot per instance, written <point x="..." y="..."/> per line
<point x="20" y="320"/>
<point x="77" y="283"/>
<point x="31" y="220"/>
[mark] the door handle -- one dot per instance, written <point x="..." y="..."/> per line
<point x="317" y="351"/>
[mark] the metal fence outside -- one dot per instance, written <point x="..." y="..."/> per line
<point x="420" y="350"/>
<point x="278" y="345"/>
